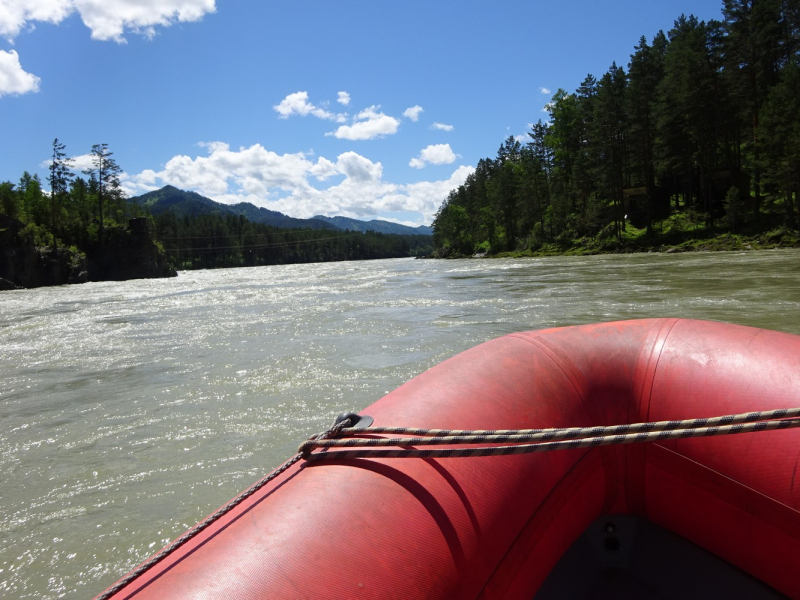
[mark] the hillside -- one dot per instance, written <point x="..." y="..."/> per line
<point x="192" y="204"/>
<point x="375" y="225"/>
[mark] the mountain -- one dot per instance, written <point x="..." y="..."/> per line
<point x="375" y="225"/>
<point x="191" y="203"/>
<point x="170" y="198"/>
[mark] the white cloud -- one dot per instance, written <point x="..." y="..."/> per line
<point x="544" y="90"/>
<point x="343" y="98"/>
<point x="213" y="146"/>
<point x="282" y="183"/>
<point x="413" y="113"/>
<point x="14" y="14"/>
<point x="358" y="168"/>
<point x="298" y="104"/>
<point x="424" y="197"/>
<point x="13" y="79"/>
<point x="368" y="124"/>
<point x="107" y="19"/>
<point x="324" y="169"/>
<point x="81" y="162"/>
<point x="437" y="154"/>
<point x="442" y="127"/>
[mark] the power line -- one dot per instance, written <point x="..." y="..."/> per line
<point x="249" y="235"/>
<point x="260" y="246"/>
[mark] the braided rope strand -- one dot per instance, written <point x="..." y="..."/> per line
<point x="653" y="436"/>
<point x="572" y="432"/>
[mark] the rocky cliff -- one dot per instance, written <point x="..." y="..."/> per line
<point x="128" y="253"/>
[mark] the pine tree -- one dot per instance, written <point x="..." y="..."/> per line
<point x="105" y="173"/>
<point x="779" y="139"/>
<point x="60" y="176"/>
<point x="752" y="51"/>
<point x="610" y="143"/>
<point x="645" y="72"/>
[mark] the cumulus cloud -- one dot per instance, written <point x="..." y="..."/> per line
<point x="343" y="98"/>
<point x="15" y="14"/>
<point x="367" y="125"/>
<point x="323" y="169"/>
<point x="544" y="90"/>
<point x="442" y="127"/>
<point x="81" y="162"/>
<point x="423" y="197"/>
<point x="358" y="168"/>
<point x="298" y="104"/>
<point x="108" y="20"/>
<point x="283" y="182"/>
<point x="437" y="154"/>
<point x="13" y="79"/>
<point x="413" y="113"/>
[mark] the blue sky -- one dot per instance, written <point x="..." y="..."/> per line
<point x="367" y="109"/>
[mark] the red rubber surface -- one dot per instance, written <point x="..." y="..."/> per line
<point x="494" y="527"/>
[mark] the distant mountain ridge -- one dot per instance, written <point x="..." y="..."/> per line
<point x="170" y="198"/>
<point x="376" y="225"/>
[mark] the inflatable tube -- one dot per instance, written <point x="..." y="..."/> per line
<point x="495" y="527"/>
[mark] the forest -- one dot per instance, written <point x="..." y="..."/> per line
<point x="86" y="215"/>
<point x="698" y="140"/>
<point x="212" y="240"/>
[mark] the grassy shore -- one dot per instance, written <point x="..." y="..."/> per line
<point x="679" y="233"/>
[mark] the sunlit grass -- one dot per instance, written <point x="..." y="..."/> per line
<point x="685" y="231"/>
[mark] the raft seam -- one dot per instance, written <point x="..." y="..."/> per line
<point x="661" y="340"/>
<point x="579" y="464"/>
<point x="609" y="457"/>
<point x="633" y="484"/>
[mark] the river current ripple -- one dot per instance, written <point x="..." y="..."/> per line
<point x="130" y="410"/>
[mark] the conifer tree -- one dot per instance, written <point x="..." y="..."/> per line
<point x="60" y="176"/>
<point x="645" y="72"/>
<point x="752" y="50"/>
<point x="105" y="172"/>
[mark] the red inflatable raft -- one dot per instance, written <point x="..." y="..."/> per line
<point x="688" y="518"/>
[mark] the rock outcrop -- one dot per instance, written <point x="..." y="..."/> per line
<point x="128" y="253"/>
<point x="6" y="285"/>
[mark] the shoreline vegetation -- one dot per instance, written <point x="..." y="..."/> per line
<point x="87" y="230"/>
<point x="677" y="234"/>
<point x="696" y="146"/>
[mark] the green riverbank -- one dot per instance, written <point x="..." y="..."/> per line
<point x="679" y="233"/>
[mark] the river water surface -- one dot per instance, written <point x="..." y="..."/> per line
<point x="129" y="411"/>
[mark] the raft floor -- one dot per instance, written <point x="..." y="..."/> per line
<point x="624" y="557"/>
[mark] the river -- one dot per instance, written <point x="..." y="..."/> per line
<point x="130" y="410"/>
